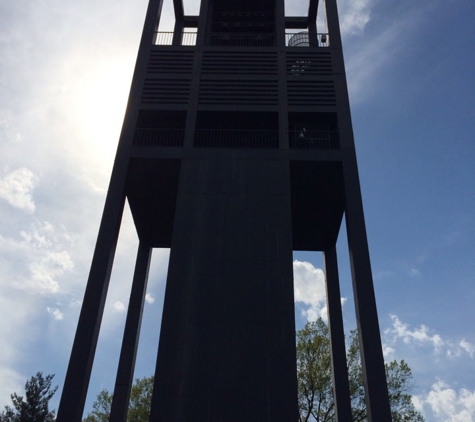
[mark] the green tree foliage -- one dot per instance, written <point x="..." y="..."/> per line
<point x="139" y="405"/>
<point x="140" y="399"/>
<point x="101" y="408"/>
<point x="34" y="406"/>
<point x="314" y="375"/>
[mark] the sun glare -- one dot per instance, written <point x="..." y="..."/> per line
<point x="101" y="105"/>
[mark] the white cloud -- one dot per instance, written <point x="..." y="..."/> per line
<point x="313" y="313"/>
<point x="387" y="350"/>
<point x="424" y="336"/>
<point x="468" y="347"/>
<point x="419" y="335"/>
<point x="354" y="15"/>
<point x="119" y="306"/>
<point x="309" y="289"/>
<point x="418" y="403"/>
<point x="310" y="292"/>
<point x="445" y="404"/>
<point x="36" y="261"/>
<point x="16" y="189"/>
<point x="75" y="303"/>
<point x="55" y="313"/>
<point x="46" y="270"/>
<point x="149" y="298"/>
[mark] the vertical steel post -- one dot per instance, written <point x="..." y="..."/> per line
<point x="372" y="361"/>
<point x="76" y="384"/>
<point x="376" y="393"/>
<point x="130" y="341"/>
<point x="341" y="388"/>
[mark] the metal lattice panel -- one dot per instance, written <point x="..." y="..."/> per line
<point x="237" y="91"/>
<point x="171" y="61"/>
<point x="215" y="62"/>
<point x="166" y="91"/>
<point x="311" y="92"/>
<point x="304" y="63"/>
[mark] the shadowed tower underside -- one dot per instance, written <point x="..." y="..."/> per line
<point x="236" y="149"/>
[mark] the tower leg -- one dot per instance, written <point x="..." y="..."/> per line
<point x="125" y="371"/>
<point x="372" y="361"/>
<point x="341" y="388"/>
<point x="73" y="398"/>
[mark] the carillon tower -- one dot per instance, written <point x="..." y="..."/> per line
<point x="236" y="149"/>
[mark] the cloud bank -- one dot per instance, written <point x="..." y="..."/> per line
<point x="423" y="336"/>
<point x="16" y="187"/>
<point x="445" y="404"/>
<point x="310" y="291"/>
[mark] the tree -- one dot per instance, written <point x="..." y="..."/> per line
<point x="34" y="407"/>
<point x="140" y="399"/>
<point x="101" y="408"/>
<point x="314" y="375"/>
<point x="139" y="404"/>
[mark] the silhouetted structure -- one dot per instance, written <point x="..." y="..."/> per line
<point x="237" y="148"/>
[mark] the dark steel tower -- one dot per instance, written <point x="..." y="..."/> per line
<point x="237" y="148"/>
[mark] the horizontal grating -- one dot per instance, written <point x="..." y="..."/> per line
<point x="235" y="39"/>
<point x="161" y="61"/>
<point x="309" y="63"/>
<point x="249" y="92"/>
<point x="211" y="138"/>
<point x="239" y="63"/>
<point x="159" y="137"/>
<point x="169" y="91"/>
<point x="167" y="38"/>
<point x="308" y="92"/>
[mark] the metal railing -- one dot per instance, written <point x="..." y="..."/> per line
<point x="166" y="38"/>
<point x="223" y="39"/>
<point x="158" y="137"/>
<point x="229" y="138"/>
<point x="314" y="139"/>
<point x="302" y="39"/>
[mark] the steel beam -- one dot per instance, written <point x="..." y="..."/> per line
<point x="372" y="361"/>
<point x="130" y="341"/>
<point x="76" y="384"/>
<point x="341" y="388"/>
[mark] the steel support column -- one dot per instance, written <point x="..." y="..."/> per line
<point x="372" y="361"/>
<point x="130" y="341"/>
<point x="341" y="388"/>
<point x="312" y="23"/>
<point x="76" y="384"/>
<point x="376" y="395"/>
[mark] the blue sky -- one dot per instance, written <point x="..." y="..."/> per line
<point x="65" y="71"/>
